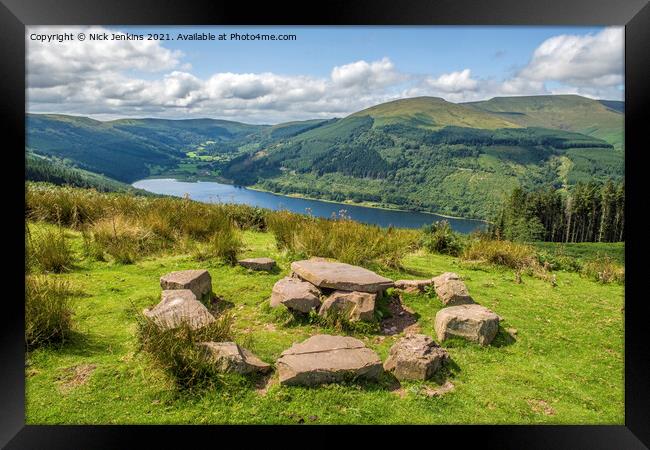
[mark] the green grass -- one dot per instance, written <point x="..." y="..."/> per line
<point x="585" y="250"/>
<point x="568" y="352"/>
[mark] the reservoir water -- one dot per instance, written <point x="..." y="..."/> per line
<point x="212" y="192"/>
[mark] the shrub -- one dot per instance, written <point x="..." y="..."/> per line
<point x="47" y="310"/>
<point x="341" y="239"/>
<point x="175" y="351"/>
<point x="440" y="238"/>
<point x="504" y="253"/>
<point x="225" y="244"/>
<point x="48" y="249"/>
<point x="604" y="269"/>
<point x="123" y="239"/>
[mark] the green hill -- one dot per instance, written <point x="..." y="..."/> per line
<point x="600" y="119"/>
<point x="431" y="113"/>
<point x="420" y="153"/>
<point x="61" y="172"/>
<point x="127" y="149"/>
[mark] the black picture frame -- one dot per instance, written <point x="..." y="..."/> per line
<point x="633" y="14"/>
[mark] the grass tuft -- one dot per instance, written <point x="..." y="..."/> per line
<point x="175" y="351"/>
<point x="48" y="315"/>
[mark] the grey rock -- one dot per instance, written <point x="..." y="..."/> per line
<point x="178" y="307"/>
<point x="474" y="322"/>
<point x="197" y="281"/>
<point x="354" y="306"/>
<point x="266" y="264"/>
<point x="412" y="286"/>
<point x="230" y="357"/>
<point x="415" y="357"/>
<point x="295" y="294"/>
<point x="453" y="292"/>
<point x="340" y="276"/>
<point x="325" y="359"/>
<point x="441" y="279"/>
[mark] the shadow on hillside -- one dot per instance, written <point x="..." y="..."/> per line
<point x="85" y="344"/>
<point x="416" y="273"/>
<point x="400" y="317"/>
<point x="218" y="304"/>
<point x="503" y="338"/>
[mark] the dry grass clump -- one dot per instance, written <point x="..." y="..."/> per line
<point x="514" y="255"/>
<point x="604" y="269"/>
<point x="175" y="351"/>
<point x="341" y="239"/>
<point x="48" y="316"/>
<point x="48" y="250"/>
<point x="122" y="238"/>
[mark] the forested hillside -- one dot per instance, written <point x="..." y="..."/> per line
<point x="405" y="153"/>
<point x="420" y="153"/>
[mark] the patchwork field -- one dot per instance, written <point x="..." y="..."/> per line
<point x="558" y="357"/>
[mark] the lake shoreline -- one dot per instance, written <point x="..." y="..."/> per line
<point x="303" y="197"/>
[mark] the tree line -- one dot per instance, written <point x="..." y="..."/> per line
<point x="588" y="212"/>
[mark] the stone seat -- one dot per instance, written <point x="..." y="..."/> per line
<point x="325" y="359"/>
<point x="340" y="276"/>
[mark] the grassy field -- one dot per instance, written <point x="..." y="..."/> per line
<point x="564" y="364"/>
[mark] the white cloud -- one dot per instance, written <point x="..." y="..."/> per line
<point x="361" y="74"/>
<point x="579" y="60"/>
<point x="142" y="78"/>
<point x="453" y="82"/>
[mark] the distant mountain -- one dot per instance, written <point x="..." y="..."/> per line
<point x="429" y="154"/>
<point x="126" y="149"/>
<point x="420" y="153"/>
<point x="599" y="118"/>
<point x="431" y="113"/>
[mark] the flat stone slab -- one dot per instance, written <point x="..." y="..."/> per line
<point x="325" y="359"/>
<point x="412" y="286"/>
<point x="178" y="307"/>
<point x="354" y="306"/>
<point x="474" y="322"/>
<point x="266" y="264"/>
<point x="340" y="276"/>
<point x="197" y="281"/>
<point x="295" y="294"/>
<point x="443" y="278"/>
<point x="453" y="292"/>
<point x="170" y="294"/>
<point x="229" y="357"/>
<point x="415" y="357"/>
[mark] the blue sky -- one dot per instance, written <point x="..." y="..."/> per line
<point x="489" y="51"/>
<point x="325" y="72"/>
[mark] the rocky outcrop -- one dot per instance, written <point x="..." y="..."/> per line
<point x="472" y="322"/>
<point x="340" y="276"/>
<point x="265" y="264"/>
<point x="354" y="306"/>
<point x="197" y="281"/>
<point x="415" y="357"/>
<point x="295" y="294"/>
<point x="229" y="357"/>
<point x="412" y="286"/>
<point x="327" y="359"/>
<point x="179" y="307"/>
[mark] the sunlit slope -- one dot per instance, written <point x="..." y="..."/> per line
<point x="432" y="112"/>
<point x="562" y="112"/>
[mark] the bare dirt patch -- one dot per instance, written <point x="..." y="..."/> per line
<point x="402" y="317"/>
<point x="541" y="407"/>
<point x="439" y="391"/>
<point x="264" y="383"/>
<point x="75" y="376"/>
